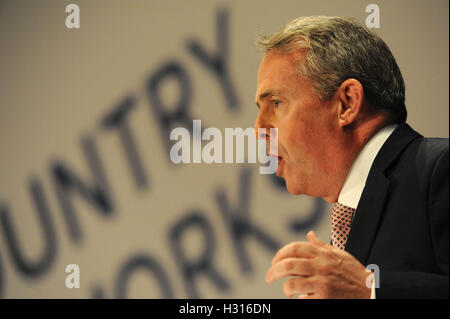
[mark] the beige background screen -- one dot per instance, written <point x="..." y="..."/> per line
<point x="85" y="174"/>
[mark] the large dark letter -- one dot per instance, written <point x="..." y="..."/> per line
<point x="305" y="224"/>
<point x="218" y="62"/>
<point x="40" y="266"/>
<point x="145" y="262"/>
<point x="117" y="119"/>
<point x="97" y="292"/>
<point x="239" y="225"/>
<point x="66" y="182"/>
<point x="204" y="263"/>
<point x="180" y="114"/>
<point x="297" y="225"/>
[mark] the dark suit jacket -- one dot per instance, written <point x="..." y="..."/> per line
<point x="401" y="222"/>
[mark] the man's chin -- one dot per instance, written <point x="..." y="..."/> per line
<point x="293" y="188"/>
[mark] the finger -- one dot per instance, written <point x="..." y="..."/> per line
<point x="307" y="296"/>
<point x="298" y="286"/>
<point x="298" y="249"/>
<point x="289" y="267"/>
<point x="313" y="239"/>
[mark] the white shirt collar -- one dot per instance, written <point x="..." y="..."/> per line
<point x="356" y="178"/>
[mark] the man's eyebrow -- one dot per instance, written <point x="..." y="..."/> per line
<point x="262" y="96"/>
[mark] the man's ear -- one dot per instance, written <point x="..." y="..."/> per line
<point x="351" y="96"/>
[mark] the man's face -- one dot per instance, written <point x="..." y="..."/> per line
<point x="306" y="125"/>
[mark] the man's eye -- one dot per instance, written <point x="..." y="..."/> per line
<point x="276" y="103"/>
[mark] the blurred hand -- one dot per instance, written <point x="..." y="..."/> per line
<point x="318" y="270"/>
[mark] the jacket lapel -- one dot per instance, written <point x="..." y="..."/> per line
<point x="367" y="216"/>
<point x="371" y="205"/>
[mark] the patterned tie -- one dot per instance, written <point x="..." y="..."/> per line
<point x="341" y="219"/>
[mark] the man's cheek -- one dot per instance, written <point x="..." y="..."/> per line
<point x="293" y="140"/>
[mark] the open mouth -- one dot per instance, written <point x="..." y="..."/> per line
<point x="274" y="153"/>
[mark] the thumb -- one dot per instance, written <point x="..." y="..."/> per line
<point x="312" y="238"/>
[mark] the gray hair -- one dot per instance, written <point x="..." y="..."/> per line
<point x="337" y="49"/>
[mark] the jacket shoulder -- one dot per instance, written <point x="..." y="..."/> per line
<point x="432" y="153"/>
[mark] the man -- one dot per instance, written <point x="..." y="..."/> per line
<point x="336" y="95"/>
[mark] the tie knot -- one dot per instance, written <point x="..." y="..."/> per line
<point x="341" y="219"/>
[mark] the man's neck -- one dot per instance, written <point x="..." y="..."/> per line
<point x="352" y="143"/>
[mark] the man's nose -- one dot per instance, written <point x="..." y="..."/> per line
<point x="262" y="127"/>
<point x="261" y="130"/>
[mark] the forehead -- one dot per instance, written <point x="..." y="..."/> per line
<point x="277" y="73"/>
